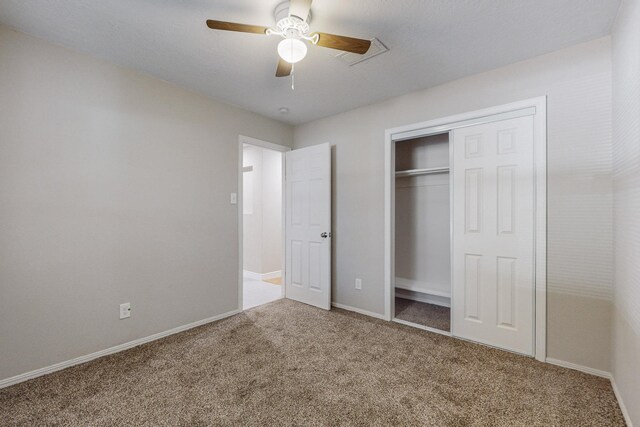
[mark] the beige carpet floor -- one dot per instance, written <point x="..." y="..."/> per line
<point x="421" y="313"/>
<point x="287" y="364"/>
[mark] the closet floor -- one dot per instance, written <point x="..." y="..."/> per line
<point x="421" y="313"/>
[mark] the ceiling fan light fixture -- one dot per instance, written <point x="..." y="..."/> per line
<point x="292" y="19"/>
<point x="292" y="50"/>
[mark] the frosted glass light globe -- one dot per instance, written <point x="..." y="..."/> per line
<point x="292" y="50"/>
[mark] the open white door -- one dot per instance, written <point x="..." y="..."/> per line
<point x="493" y="234"/>
<point x="308" y="225"/>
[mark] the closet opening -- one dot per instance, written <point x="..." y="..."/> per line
<point x="422" y="290"/>
<point x="465" y="226"/>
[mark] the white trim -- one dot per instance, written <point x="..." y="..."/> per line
<point x="283" y="225"/>
<point x="358" y="310"/>
<point x="447" y="124"/>
<point x="471" y="118"/>
<point x="540" y="254"/>
<point x="240" y="209"/>
<point x="451" y="319"/>
<point x="533" y="106"/>
<point x="424" y="328"/>
<point x="422" y="287"/>
<point x="598" y="373"/>
<point x="389" y="213"/>
<point x="623" y="408"/>
<point x="111" y="350"/>
<point x="271" y="146"/>
<point x="420" y="172"/>
<point x="271" y="275"/>
<point x="264" y="144"/>
<point x="423" y="297"/>
<point x="251" y="275"/>
<point x="261" y="276"/>
<point x="576" y="367"/>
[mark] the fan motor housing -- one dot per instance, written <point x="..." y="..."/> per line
<point x="281" y="12"/>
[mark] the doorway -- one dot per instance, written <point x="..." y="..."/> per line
<point x="298" y="240"/>
<point x="261" y="216"/>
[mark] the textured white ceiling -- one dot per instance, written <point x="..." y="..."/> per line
<point x="430" y="42"/>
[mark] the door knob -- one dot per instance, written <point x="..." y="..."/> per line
<point x="324" y="235"/>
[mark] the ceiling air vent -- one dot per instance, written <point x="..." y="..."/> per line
<point x="353" y="58"/>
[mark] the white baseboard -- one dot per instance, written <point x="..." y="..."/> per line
<point x="358" y="310"/>
<point x="118" y="348"/>
<point x="86" y="358"/>
<point x="599" y="373"/>
<point x="271" y="275"/>
<point x="424" y="328"/>
<point x="623" y="408"/>
<point x="576" y="367"/>
<point x="261" y="276"/>
<point x="438" y="289"/>
<point x="423" y="297"/>
<point x="251" y="275"/>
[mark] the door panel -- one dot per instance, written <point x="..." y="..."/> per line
<point x="472" y="290"/>
<point x="493" y="237"/>
<point x="308" y="219"/>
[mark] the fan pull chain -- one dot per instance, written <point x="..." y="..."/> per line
<point x="293" y="69"/>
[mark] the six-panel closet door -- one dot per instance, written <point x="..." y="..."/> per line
<point x="493" y="234"/>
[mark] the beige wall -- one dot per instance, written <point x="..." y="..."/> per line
<point x="271" y="211"/>
<point x="577" y="82"/>
<point x="114" y="187"/>
<point x="252" y="209"/>
<point x="626" y="161"/>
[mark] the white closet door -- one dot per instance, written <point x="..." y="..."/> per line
<point x="308" y="225"/>
<point x="493" y="234"/>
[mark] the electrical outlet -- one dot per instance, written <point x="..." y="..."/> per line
<point x="234" y="198"/>
<point x="358" y="283"/>
<point x="125" y="310"/>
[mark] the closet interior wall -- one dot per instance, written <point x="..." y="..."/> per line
<point x="422" y="226"/>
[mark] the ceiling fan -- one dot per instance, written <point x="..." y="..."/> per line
<point x="292" y="24"/>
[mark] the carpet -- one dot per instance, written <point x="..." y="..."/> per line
<point x="288" y="364"/>
<point x="421" y="313"/>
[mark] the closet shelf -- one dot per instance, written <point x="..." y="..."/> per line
<point x="416" y="172"/>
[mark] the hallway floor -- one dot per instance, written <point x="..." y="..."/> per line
<point x="256" y="292"/>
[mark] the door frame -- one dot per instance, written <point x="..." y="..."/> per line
<point x="271" y="146"/>
<point x="536" y="107"/>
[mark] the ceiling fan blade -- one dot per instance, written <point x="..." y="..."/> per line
<point x="300" y="8"/>
<point x="232" y="26"/>
<point x="348" y="44"/>
<point x="284" y="68"/>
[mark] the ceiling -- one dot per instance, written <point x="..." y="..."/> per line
<point x="430" y="42"/>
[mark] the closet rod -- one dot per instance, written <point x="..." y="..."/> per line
<point x="416" y="172"/>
